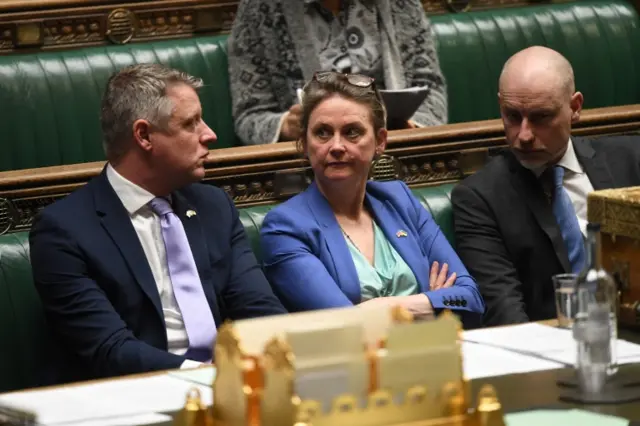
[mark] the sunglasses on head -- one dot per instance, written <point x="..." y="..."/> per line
<point x="357" y="80"/>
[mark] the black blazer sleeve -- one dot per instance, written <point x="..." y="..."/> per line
<point x="80" y="313"/>
<point x="482" y="250"/>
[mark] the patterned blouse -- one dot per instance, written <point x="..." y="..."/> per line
<point x="277" y="45"/>
<point x="348" y="42"/>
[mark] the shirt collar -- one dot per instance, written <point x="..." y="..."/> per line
<point x="570" y="161"/>
<point x="133" y="197"/>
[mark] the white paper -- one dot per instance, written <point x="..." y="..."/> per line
<point x="481" y="361"/>
<point x="104" y="400"/>
<point x="202" y="375"/>
<point x="529" y="337"/>
<point x="154" y="419"/>
<point x="555" y="344"/>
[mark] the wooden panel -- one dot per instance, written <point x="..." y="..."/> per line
<point x="265" y="174"/>
<point x="28" y="25"/>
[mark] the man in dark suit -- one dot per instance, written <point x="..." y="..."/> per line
<point x="521" y="219"/>
<point x="138" y="268"/>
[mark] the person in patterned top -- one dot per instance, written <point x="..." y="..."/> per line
<point x="277" y="45"/>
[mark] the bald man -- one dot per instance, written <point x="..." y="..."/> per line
<point x="522" y="218"/>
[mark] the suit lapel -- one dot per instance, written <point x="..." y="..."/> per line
<point x="305" y="50"/>
<point x="346" y="274"/>
<point x="595" y="164"/>
<point x="193" y="228"/>
<point x="404" y="243"/>
<point x="117" y="223"/>
<point x="526" y="184"/>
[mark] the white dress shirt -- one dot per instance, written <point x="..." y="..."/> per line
<point x="147" y="225"/>
<point x="577" y="184"/>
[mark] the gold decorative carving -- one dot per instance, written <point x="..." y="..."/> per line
<point x="617" y="211"/>
<point x="29" y="34"/>
<point x="216" y="20"/>
<point x="429" y="169"/>
<point x="165" y="23"/>
<point x="64" y="32"/>
<point x="458" y="5"/>
<point x="7" y="215"/>
<point x="120" y="26"/>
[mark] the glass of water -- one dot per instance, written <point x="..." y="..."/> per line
<point x="566" y="306"/>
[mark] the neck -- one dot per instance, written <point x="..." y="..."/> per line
<point x="346" y="199"/>
<point x="137" y="171"/>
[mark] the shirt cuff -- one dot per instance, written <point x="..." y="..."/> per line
<point x="276" y="138"/>
<point x="189" y="363"/>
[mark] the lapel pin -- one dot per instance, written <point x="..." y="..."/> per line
<point x="401" y="233"/>
<point x="191" y="213"/>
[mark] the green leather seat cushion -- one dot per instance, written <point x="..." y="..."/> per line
<point x="22" y="326"/>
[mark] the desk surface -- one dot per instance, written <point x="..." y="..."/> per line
<point x="526" y="391"/>
<point x="539" y="390"/>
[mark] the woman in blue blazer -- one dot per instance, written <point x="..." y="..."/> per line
<point x="347" y="240"/>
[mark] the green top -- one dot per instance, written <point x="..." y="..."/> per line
<point x="389" y="276"/>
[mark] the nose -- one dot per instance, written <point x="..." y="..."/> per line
<point x="207" y="136"/>
<point x="337" y="144"/>
<point x="525" y="135"/>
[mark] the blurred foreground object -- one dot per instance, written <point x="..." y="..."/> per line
<point x="352" y="366"/>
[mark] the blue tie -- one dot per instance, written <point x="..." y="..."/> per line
<point x="568" y="222"/>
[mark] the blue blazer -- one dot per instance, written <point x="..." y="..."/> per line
<point x="99" y="295"/>
<point x="307" y="261"/>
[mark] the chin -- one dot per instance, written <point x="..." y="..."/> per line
<point x="532" y="164"/>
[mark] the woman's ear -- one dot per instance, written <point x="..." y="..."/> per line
<point x="381" y="141"/>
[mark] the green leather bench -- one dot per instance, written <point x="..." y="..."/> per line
<point x="28" y="354"/>
<point x="50" y="100"/>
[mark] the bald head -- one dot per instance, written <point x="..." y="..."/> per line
<point x="538" y="105"/>
<point x="538" y="69"/>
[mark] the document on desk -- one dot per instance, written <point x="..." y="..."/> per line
<point x="481" y="361"/>
<point x="105" y="400"/>
<point x="562" y="417"/>
<point x="542" y="342"/>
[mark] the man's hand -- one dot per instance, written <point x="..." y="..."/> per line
<point x="438" y="277"/>
<point x="290" y="130"/>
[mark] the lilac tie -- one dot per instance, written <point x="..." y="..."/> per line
<point x="187" y="288"/>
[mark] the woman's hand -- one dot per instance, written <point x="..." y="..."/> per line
<point x="438" y="277"/>
<point x="418" y="304"/>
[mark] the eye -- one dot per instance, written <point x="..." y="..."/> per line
<point x="540" y="116"/>
<point x="323" y="132"/>
<point x="513" y="116"/>
<point x="353" y="133"/>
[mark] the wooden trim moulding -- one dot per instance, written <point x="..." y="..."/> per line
<point x="264" y="174"/>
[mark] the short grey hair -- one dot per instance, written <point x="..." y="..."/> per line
<point x="134" y="93"/>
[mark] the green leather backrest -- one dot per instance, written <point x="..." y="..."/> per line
<point x="26" y="349"/>
<point x="25" y="358"/>
<point x="51" y="100"/>
<point x="600" y="39"/>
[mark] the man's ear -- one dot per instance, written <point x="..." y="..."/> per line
<point x="141" y="131"/>
<point x="576" y="103"/>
